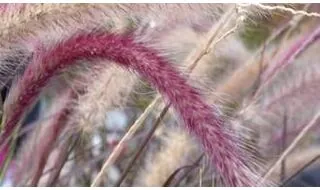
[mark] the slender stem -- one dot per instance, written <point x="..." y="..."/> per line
<point x="299" y="171"/>
<point x="143" y="145"/>
<point x="311" y="124"/>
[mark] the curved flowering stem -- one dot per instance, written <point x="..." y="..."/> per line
<point x="292" y="52"/>
<point x="200" y="119"/>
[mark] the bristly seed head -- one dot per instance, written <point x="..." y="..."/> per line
<point x="200" y="119"/>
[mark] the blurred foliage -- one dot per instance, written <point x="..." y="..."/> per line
<point x="253" y="35"/>
<point x="258" y="27"/>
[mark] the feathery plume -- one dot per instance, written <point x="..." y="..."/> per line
<point x="200" y="119"/>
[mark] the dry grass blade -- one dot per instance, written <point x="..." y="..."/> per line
<point x="244" y="78"/>
<point x="116" y="152"/>
<point x="311" y="124"/>
<point x="295" y="21"/>
<point x="62" y="159"/>
<point x="300" y="170"/>
<point x="143" y="145"/>
<point x="286" y="9"/>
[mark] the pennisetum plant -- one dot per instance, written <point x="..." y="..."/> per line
<point x="200" y="119"/>
<point x="117" y="43"/>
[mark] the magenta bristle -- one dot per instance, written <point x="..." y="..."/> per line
<point x="200" y="119"/>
